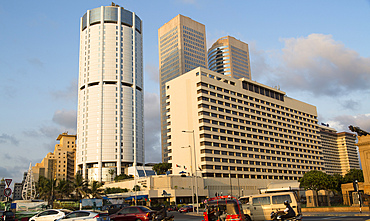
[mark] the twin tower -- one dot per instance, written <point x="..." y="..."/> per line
<point x="110" y="126"/>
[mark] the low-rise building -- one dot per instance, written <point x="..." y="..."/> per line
<point x="159" y="188"/>
<point x="60" y="164"/>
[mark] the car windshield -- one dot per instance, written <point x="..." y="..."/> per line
<point x="229" y="206"/>
<point x="145" y="209"/>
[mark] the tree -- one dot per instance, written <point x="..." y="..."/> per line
<point x="122" y="176"/>
<point x="64" y="188"/>
<point x="136" y="188"/>
<point x="80" y="186"/>
<point x="354" y="174"/>
<point x="43" y="188"/>
<point x="162" y="168"/>
<point x="315" y="180"/>
<point x="335" y="182"/>
<point x="109" y="190"/>
<point x="111" y="173"/>
<point x="94" y="190"/>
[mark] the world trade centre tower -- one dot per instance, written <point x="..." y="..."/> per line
<point x="182" y="47"/>
<point x="110" y="133"/>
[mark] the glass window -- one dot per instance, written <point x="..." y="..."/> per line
<point x="133" y="210"/>
<point x="280" y="199"/>
<point x="261" y="200"/>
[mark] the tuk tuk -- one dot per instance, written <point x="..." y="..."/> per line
<point x="223" y="208"/>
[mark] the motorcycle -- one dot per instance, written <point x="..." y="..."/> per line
<point x="276" y="216"/>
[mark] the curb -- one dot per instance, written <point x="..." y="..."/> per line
<point x="336" y="214"/>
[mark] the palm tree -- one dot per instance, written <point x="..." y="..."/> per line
<point x="64" y="188"/>
<point x="111" y="173"/>
<point x="80" y="186"/>
<point x="94" y="190"/>
<point x="44" y="188"/>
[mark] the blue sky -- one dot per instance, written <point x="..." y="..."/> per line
<point x="316" y="51"/>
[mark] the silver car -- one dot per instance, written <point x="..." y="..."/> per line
<point x="85" y="215"/>
<point x="50" y="215"/>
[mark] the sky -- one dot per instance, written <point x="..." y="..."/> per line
<point x="315" y="51"/>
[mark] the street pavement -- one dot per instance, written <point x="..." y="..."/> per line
<point x="337" y="216"/>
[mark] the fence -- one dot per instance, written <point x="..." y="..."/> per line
<point x="340" y="200"/>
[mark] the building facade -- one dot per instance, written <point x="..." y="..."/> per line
<point x="182" y="47"/>
<point x="60" y="164"/>
<point x="230" y="57"/>
<point x="240" y="129"/>
<point x="339" y="151"/>
<point x="110" y="126"/>
<point x="17" y="192"/>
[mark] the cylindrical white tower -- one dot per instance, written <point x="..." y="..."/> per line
<point x="110" y="130"/>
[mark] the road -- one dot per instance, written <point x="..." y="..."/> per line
<point x="199" y="217"/>
<point x="336" y="218"/>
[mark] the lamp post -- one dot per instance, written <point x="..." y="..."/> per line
<point x="195" y="165"/>
<point x="192" y="175"/>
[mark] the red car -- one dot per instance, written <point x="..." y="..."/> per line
<point x="133" y="213"/>
<point x="186" y="209"/>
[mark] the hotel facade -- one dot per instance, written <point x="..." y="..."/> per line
<point x="339" y="151"/>
<point x="110" y="126"/>
<point x="239" y="129"/>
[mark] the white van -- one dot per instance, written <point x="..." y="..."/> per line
<point x="259" y="207"/>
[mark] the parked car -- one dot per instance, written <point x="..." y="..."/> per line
<point x="50" y="215"/>
<point x="133" y="213"/>
<point x="172" y="208"/>
<point x="186" y="209"/>
<point x="114" y="208"/>
<point x="7" y="216"/>
<point x="85" y="216"/>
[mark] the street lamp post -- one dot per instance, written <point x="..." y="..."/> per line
<point x="192" y="175"/>
<point x="195" y="165"/>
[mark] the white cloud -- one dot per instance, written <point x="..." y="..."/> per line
<point x="341" y="123"/>
<point x="152" y="128"/>
<point x="36" y="62"/>
<point x="320" y="65"/>
<point x="5" y="138"/>
<point x="66" y="118"/>
<point x="153" y="72"/>
<point x="68" y="94"/>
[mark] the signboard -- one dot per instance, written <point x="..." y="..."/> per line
<point x="7" y="192"/>
<point x="8" y="182"/>
<point x="92" y="202"/>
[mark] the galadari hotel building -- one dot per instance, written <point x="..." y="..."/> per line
<point x="239" y="129"/>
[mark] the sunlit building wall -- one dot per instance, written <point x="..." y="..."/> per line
<point x="110" y="93"/>
<point x="242" y="129"/>
<point x="230" y="56"/>
<point x="182" y="47"/>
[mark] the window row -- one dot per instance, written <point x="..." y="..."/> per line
<point x="255" y="99"/>
<point x="257" y="170"/>
<point x="249" y="176"/>
<point x="242" y="105"/>
<point x="270" y="158"/>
